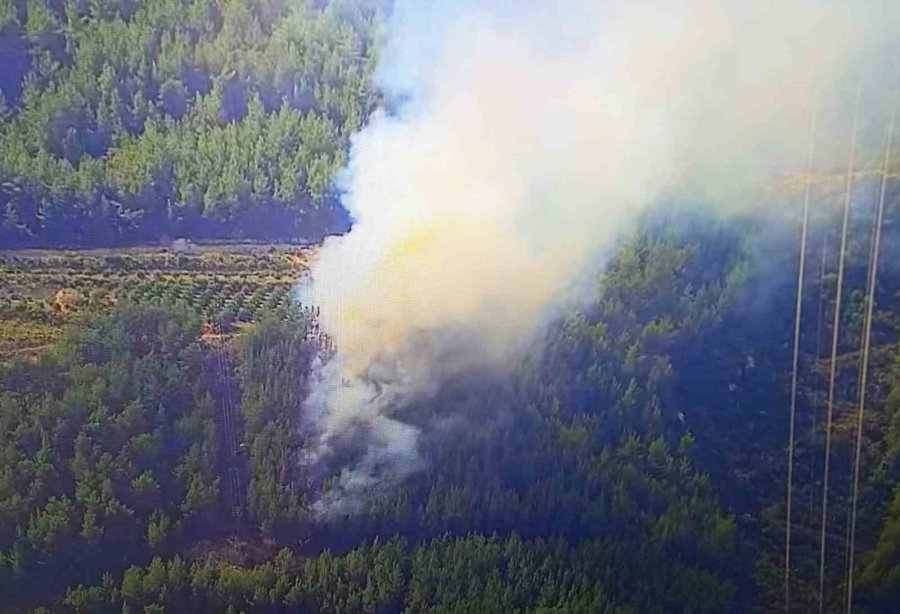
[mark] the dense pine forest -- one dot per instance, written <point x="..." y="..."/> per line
<point x="167" y="169"/>
<point x="136" y="121"/>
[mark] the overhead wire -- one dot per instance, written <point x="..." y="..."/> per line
<point x="860" y="384"/>
<point x="804" y="231"/>
<point x="820" y="319"/>
<point x="834" y="344"/>
<point x="872" y="283"/>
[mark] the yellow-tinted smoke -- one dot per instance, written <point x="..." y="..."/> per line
<point x="533" y="138"/>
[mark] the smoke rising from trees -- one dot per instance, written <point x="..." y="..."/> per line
<point x="529" y="140"/>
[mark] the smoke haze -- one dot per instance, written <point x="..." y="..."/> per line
<point x="530" y="139"/>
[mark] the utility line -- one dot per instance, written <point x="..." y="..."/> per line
<point x="834" y="344"/>
<point x="788" y="520"/>
<point x="859" y="383"/>
<point x="820" y="317"/>
<point x="867" y="340"/>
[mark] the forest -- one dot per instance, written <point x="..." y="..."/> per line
<point x="138" y="121"/>
<point x="171" y="179"/>
<point x="599" y="480"/>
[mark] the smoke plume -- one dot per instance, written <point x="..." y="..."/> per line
<point x="530" y="137"/>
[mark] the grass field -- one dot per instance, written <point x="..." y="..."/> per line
<point x="41" y="291"/>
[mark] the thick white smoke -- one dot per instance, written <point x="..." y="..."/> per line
<point x="531" y="138"/>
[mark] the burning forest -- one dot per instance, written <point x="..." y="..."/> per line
<point x="443" y="306"/>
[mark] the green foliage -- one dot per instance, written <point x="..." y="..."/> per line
<point x="148" y="117"/>
<point x="39" y="19"/>
<point x="8" y="15"/>
<point x="96" y="451"/>
<point x="158" y="529"/>
<point x="880" y="572"/>
<point x="273" y="367"/>
<point x="50" y="528"/>
<point x="473" y="574"/>
<point x="632" y="463"/>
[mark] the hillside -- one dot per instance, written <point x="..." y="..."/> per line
<point x="614" y="469"/>
<point x="136" y="121"/>
<point x="449" y="307"/>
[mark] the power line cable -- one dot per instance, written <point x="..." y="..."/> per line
<point x="867" y="340"/>
<point x="834" y="344"/>
<point x="788" y="520"/>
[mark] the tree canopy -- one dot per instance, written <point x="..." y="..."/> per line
<point x="140" y="119"/>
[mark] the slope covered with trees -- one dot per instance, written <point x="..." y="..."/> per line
<point x="474" y="574"/>
<point x="589" y="463"/>
<point x="125" y="121"/>
<point x="108" y="448"/>
<point x="634" y="462"/>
